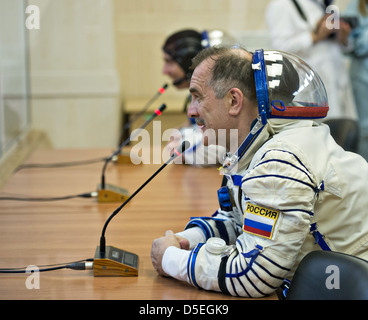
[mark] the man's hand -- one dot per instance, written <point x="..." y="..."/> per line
<point x="343" y="33"/>
<point x="160" y="245"/>
<point x="322" y="30"/>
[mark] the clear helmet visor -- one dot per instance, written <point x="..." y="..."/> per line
<point x="287" y="87"/>
<point x="219" y="38"/>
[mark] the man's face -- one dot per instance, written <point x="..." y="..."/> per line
<point x="172" y="69"/>
<point x="208" y="111"/>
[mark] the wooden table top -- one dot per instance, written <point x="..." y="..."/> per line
<point x="51" y="232"/>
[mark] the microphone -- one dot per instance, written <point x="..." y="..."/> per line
<point x="109" y="193"/>
<point x="160" y="91"/>
<point x="111" y="261"/>
<point x="123" y="158"/>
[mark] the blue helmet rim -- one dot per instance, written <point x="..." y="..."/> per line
<point x="260" y="78"/>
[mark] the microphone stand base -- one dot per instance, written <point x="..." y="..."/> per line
<point x="115" y="263"/>
<point x="112" y="194"/>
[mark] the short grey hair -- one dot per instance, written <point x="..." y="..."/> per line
<point x="231" y="69"/>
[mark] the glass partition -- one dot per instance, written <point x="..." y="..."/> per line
<point x="14" y="105"/>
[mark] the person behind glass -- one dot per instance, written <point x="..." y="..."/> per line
<point x="358" y="41"/>
<point x="314" y="30"/>
<point x="289" y="189"/>
<point x="178" y="51"/>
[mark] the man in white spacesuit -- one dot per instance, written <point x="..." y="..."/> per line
<point x="288" y="189"/>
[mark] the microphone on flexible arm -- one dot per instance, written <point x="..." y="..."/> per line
<point x="111" y="261"/>
<point x="107" y="192"/>
<point x="123" y="158"/>
<point x="179" y="81"/>
<point x="148" y="104"/>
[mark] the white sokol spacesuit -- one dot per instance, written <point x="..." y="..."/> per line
<point x="290" y="189"/>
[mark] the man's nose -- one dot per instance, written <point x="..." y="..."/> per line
<point x="192" y="111"/>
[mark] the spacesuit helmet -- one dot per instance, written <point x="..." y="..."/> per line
<point x="218" y="38"/>
<point x="287" y="87"/>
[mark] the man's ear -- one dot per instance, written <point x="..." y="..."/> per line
<point x="235" y="100"/>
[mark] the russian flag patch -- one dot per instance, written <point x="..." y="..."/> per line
<point x="259" y="220"/>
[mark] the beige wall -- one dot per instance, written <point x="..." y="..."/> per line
<point x="142" y="26"/>
<point x="90" y="56"/>
<point x="74" y="79"/>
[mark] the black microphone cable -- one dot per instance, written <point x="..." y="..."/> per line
<point x="59" y="164"/>
<point x="40" y="199"/>
<point x="156" y="113"/>
<point x="85" y="264"/>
